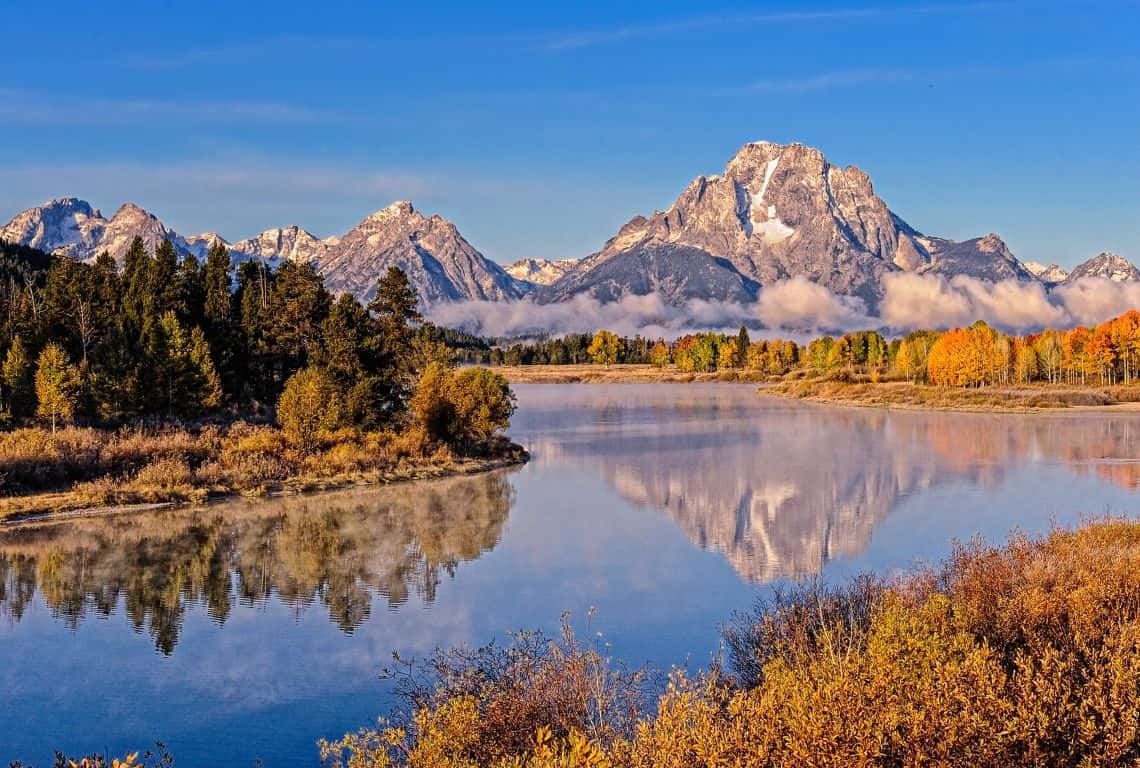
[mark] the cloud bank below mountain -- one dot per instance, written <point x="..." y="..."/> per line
<point x="801" y="309"/>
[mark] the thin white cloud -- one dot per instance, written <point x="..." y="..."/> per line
<point x="597" y="37"/>
<point x="206" y="177"/>
<point x="830" y="80"/>
<point x="18" y="107"/>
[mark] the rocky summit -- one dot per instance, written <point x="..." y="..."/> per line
<point x="439" y="262"/>
<point x="776" y="212"/>
<point x="1109" y="266"/>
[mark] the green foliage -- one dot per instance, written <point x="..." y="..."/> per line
<point x="18" y="392"/>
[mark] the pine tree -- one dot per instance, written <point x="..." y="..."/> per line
<point x="395" y="303"/>
<point x="166" y="287"/>
<point x="57" y="385"/>
<point x="742" y="345"/>
<point x="137" y="282"/>
<point x="17" y="378"/>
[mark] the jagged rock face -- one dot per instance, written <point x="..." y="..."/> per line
<point x="676" y="272"/>
<point x="1050" y="275"/>
<point x="985" y="258"/>
<point x="776" y="212"/>
<point x="67" y="225"/>
<point x="779" y="212"/>
<point x="540" y="271"/>
<point x="200" y="245"/>
<point x="73" y="228"/>
<point x="440" y="264"/>
<point x="131" y="221"/>
<point x="1110" y="266"/>
<point x="283" y="244"/>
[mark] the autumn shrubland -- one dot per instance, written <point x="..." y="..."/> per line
<point x="1023" y="654"/>
<point x="76" y="467"/>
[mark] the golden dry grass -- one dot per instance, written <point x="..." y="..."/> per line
<point x="79" y="468"/>
<point x="1021" y="655"/>
<point x="897" y="394"/>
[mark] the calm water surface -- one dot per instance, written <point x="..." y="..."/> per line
<point x="250" y="630"/>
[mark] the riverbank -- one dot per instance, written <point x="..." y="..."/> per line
<point x="620" y="374"/>
<point x="79" y="471"/>
<point x="907" y="396"/>
<point x="1024" y="654"/>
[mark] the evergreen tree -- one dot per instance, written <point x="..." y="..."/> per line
<point x="137" y="292"/>
<point x="17" y="380"/>
<point x="191" y="283"/>
<point x="740" y="357"/>
<point x="395" y="304"/>
<point x="167" y="293"/>
<point x="188" y="384"/>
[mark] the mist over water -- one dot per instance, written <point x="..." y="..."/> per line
<point x="251" y="629"/>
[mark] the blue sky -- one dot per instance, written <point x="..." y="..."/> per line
<point x="541" y="129"/>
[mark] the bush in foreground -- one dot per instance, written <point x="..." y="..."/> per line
<point x="1026" y="654"/>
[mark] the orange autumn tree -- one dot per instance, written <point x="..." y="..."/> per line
<point x="968" y="357"/>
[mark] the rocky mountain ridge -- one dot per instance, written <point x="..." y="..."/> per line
<point x="540" y="271"/>
<point x="776" y="212"/>
<point x="441" y="264"/>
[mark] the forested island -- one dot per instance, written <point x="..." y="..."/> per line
<point x="173" y="380"/>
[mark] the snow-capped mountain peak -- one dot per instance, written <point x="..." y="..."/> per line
<point x="540" y="271"/>
<point x="1107" y="265"/>
<point x="1049" y="274"/>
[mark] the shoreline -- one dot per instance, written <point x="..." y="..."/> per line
<point x="901" y="396"/>
<point x="622" y="373"/>
<point x="517" y="456"/>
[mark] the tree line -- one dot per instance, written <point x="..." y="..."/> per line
<point x="171" y="338"/>
<point x="978" y="355"/>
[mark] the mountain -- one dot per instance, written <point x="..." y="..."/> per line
<point x="1050" y="275"/>
<point x="777" y="211"/>
<point x="66" y="225"/>
<point x="283" y="244"/>
<point x="200" y="245"/>
<point x="985" y="258"/>
<point x="71" y="227"/>
<point x="440" y="264"/>
<point x="1110" y="266"/>
<point x="540" y="271"/>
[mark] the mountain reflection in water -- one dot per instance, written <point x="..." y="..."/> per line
<point x="337" y="550"/>
<point x="782" y="488"/>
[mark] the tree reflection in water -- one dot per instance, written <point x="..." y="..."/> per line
<point x="340" y="550"/>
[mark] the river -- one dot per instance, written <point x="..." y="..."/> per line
<point x="248" y="630"/>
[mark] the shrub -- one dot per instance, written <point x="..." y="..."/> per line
<point x="464" y="409"/>
<point x="485" y="706"/>
<point x="309" y="405"/>
<point x="1026" y="654"/>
